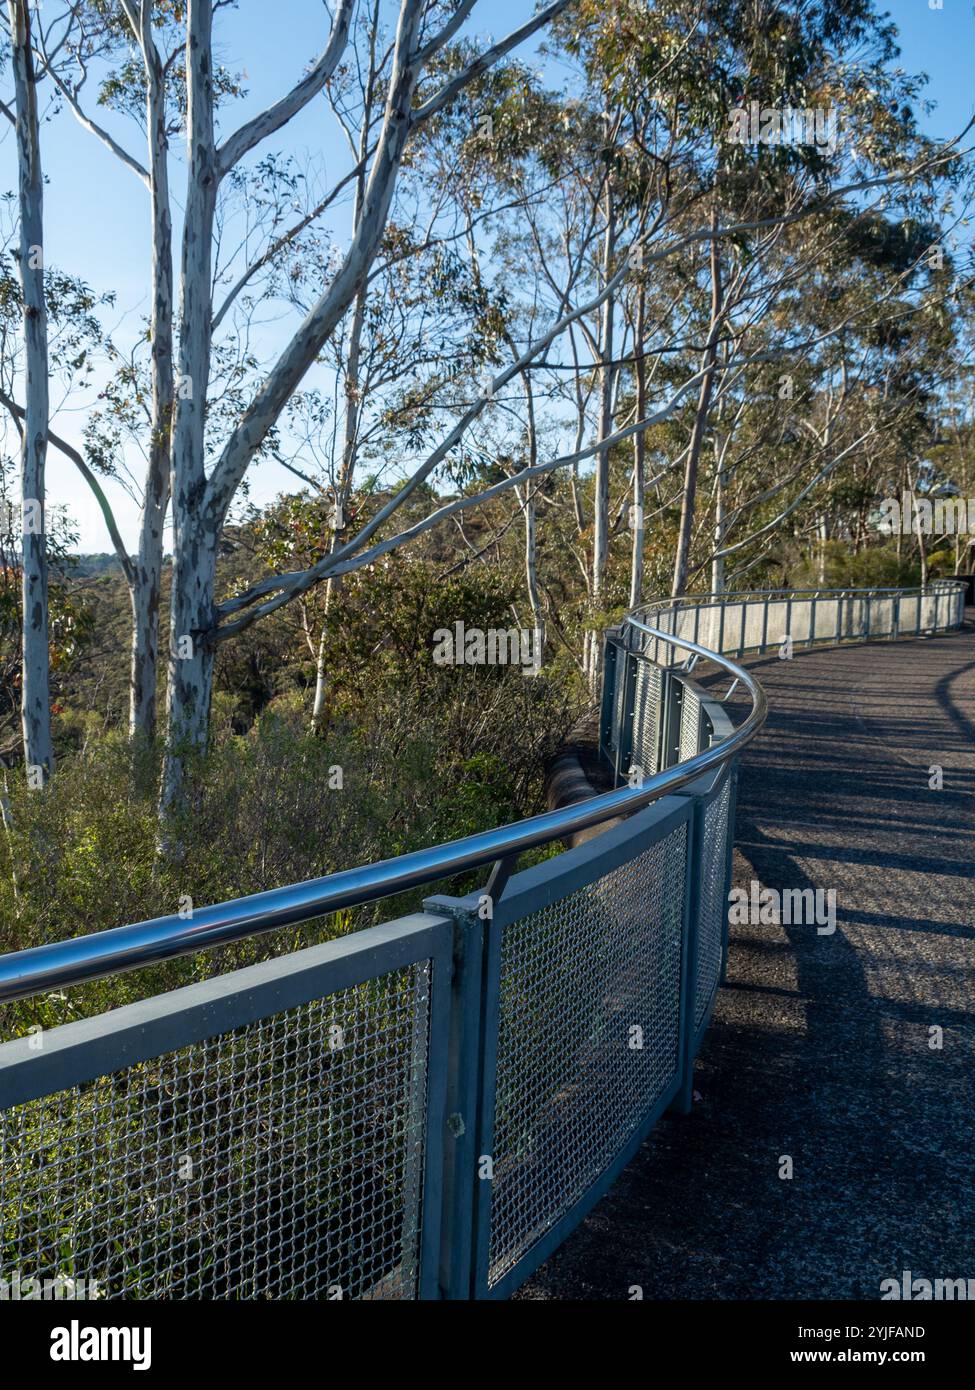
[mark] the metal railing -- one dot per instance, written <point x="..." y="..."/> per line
<point x="422" y="1109"/>
<point x="64" y="963"/>
<point x="736" y="623"/>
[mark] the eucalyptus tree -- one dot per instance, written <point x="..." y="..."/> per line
<point x="813" y="447"/>
<point x="35" y="682"/>
<point x="73" y="345"/>
<point x="412" y="74"/>
<point x="414" y="93"/>
<point x="64" y="47"/>
<point x="601" y="300"/>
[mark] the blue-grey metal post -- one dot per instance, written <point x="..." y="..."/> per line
<point x="464" y="1079"/>
<point x="610" y="655"/>
<point x="690" y="928"/>
<point x="729" y="865"/>
<point x="625" y="749"/>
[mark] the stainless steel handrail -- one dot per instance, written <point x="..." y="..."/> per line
<point x="943" y="585"/>
<point x="63" y="963"/>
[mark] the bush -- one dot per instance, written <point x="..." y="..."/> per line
<point x="876" y="566"/>
<point x="275" y="806"/>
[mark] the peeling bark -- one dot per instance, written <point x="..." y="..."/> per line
<point x="146" y="585"/>
<point x="195" y="541"/>
<point x="200" y="504"/>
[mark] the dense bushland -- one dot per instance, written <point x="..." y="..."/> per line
<point x="411" y="754"/>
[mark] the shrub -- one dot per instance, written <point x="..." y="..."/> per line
<point x="275" y="806"/>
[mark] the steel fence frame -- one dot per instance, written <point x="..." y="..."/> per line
<point x="461" y="1077"/>
<point x="74" y="1055"/>
<point x="527" y="894"/>
<point x="860" y="615"/>
<point x="684" y="810"/>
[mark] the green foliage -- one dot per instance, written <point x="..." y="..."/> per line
<point x="276" y="805"/>
<point x="874" y="566"/>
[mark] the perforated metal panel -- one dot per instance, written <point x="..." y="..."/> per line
<point x="827" y="619"/>
<point x="690" y="724"/>
<point x="588" y="1039"/>
<point x="281" y="1160"/>
<point x="713" y="903"/>
<point x="929" y="612"/>
<point x="646" y="716"/>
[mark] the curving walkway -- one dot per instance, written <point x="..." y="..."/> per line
<point x="819" y="1047"/>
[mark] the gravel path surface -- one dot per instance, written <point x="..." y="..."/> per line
<point x="820" y="1044"/>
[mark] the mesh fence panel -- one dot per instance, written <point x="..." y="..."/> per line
<point x="576" y="977"/>
<point x="280" y="1160"/>
<point x="610" y="734"/>
<point x="754" y="624"/>
<point x="881" y="617"/>
<point x="690" y="724"/>
<point x="684" y="623"/>
<point x="854" y="617"/>
<point x="800" y="621"/>
<point x="909" y="612"/>
<point x="709" y="626"/>
<point x="713" y="902"/>
<point x="646" y="716"/>
<point x="779" y="622"/>
<point x="827" y="619"/>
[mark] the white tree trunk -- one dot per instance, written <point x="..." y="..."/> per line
<point x="344" y="482"/>
<point x="823" y="538"/>
<point x="922" y="549"/>
<point x="600" y="544"/>
<point x="318" y="704"/>
<point x="639" y="456"/>
<point x="721" y="443"/>
<point x="195" y="531"/>
<point x="147" y="580"/>
<point x="717" y="564"/>
<point x="35" y="683"/>
<point x="682" y="559"/>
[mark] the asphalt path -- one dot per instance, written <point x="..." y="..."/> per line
<point x="851" y="1053"/>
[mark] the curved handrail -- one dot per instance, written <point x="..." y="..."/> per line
<point x="932" y="588"/>
<point x="63" y="963"/>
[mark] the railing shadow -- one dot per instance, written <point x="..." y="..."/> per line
<point x="819" y="1048"/>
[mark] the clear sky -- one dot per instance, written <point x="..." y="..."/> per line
<point x="96" y="211"/>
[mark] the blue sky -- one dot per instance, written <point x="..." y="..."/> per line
<point x="96" y="211"/>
